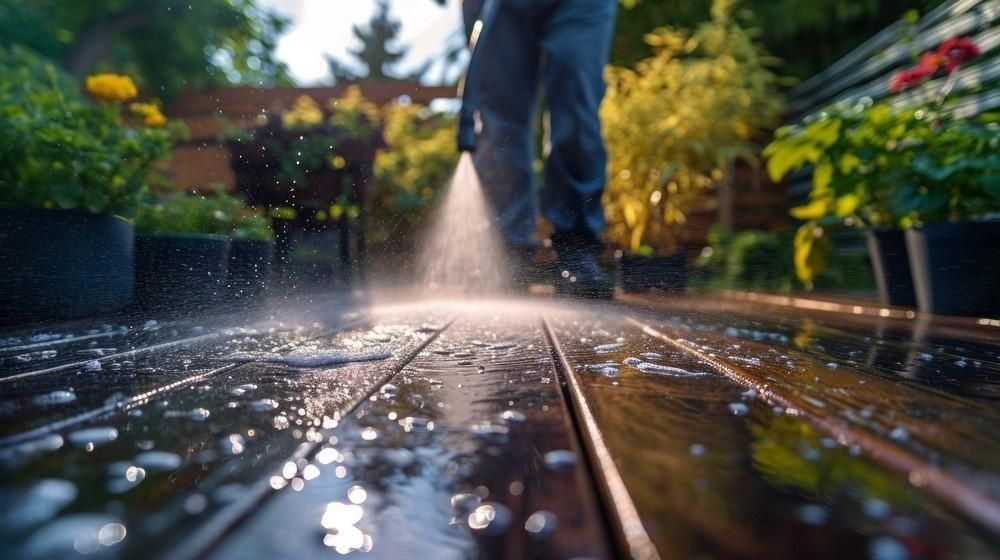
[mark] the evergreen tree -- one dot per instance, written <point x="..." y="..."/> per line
<point x="378" y="53"/>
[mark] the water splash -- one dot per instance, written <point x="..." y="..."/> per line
<point x="462" y="253"/>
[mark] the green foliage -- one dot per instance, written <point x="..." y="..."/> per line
<point x="209" y="41"/>
<point x="748" y="260"/>
<point x="416" y="165"/>
<point x="808" y="34"/>
<point x="183" y="212"/>
<point x="884" y="168"/>
<point x="676" y="121"/>
<point x="307" y="138"/>
<point x="252" y="226"/>
<point x="59" y="150"/>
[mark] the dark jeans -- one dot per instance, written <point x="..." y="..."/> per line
<point x="562" y="46"/>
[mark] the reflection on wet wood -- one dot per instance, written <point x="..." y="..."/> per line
<point x="464" y="435"/>
<point x="716" y="471"/>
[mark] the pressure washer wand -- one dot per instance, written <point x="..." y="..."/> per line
<point x="466" y="87"/>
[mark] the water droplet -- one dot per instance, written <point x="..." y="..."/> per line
<point x="36" y="504"/>
<point x="158" y="461"/>
<point x="195" y="503"/>
<point x="608" y="348"/>
<point x="899" y="434"/>
<point x="541" y="524"/>
<point x="739" y="409"/>
<point x="55" y="397"/>
<point x="307" y="357"/>
<point x="369" y="434"/>
<point x="813" y="514"/>
<point x="697" y="449"/>
<point x="490" y="519"/>
<point x="92" y="366"/>
<point x="512" y="417"/>
<point x="264" y="405"/>
<point x="464" y="504"/>
<point x="357" y="494"/>
<point x="74" y="534"/>
<point x="233" y="444"/>
<point x="93" y="436"/>
<point x="887" y="548"/>
<point x="560" y="460"/>
<point x="660" y="369"/>
<point x="876" y="508"/>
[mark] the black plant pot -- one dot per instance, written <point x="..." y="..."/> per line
<point x="61" y="264"/>
<point x="955" y="268"/>
<point x="668" y="273"/>
<point x="249" y="268"/>
<point x="180" y="271"/>
<point x="891" y="265"/>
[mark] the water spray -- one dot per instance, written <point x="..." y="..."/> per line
<point x="467" y="115"/>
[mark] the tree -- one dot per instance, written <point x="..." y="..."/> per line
<point x="808" y="35"/>
<point x="167" y="44"/>
<point x="378" y="53"/>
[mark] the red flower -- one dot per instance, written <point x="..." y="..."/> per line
<point x="958" y="50"/>
<point x="910" y="77"/>
<point x="930" y="62"/>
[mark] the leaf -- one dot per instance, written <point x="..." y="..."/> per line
<point x="822" y="176"/>
<point x="812" y="249"/>
<point x="846" y="205"/>
<point x="848" y="163"/>
<point x="814" y="210"/>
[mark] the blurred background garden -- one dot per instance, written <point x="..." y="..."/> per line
<point x="756" y="144"/>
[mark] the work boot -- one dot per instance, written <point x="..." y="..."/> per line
<point x="580" y="272"/>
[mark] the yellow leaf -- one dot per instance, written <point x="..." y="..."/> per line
<point x="814" y="210"/>
<point x="848" y="163"/>
<point x="822" y="176"/>
<point x="811" y="251"/>
<point x="846" y="205"/>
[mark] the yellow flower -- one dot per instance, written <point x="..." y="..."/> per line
<point x="151" y="114"/>
<point x="111" y="87"/>
<point x="305" y="112"/>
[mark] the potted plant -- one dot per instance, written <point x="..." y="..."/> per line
<point x="307" y="156"/>
<point x="250" y="255"/>
<point x="890" y="168"/>
<point x="955" y="203"/>
<point x="859" y="163"/>
<point x="674" y="124"/>
<point x="71" y="172"/>
<point x="182" y="249"/>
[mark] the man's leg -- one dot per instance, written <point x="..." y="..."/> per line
<point x="507" y="88"/>
<point x="576" y="39"/>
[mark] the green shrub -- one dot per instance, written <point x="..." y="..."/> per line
<point x="61" y="151"/>
<point x="675" y="122"/>
<point x="255" y="227"/>
<point x="190" y="213"/>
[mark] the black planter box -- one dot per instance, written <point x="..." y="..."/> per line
<point x="180" y="271"/>
<point x="891" y="265"/>
<point x="62" y="264"/>
<point x="955" y="268"/>
<point x="668" y="273"/>
<point x="249" y="268"/>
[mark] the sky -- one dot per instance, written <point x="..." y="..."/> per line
<point x="321" y="27"/>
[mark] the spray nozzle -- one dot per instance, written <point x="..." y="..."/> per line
<point x="466" y="132"/>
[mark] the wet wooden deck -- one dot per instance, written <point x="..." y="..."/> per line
<point x="725" y="427"/>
